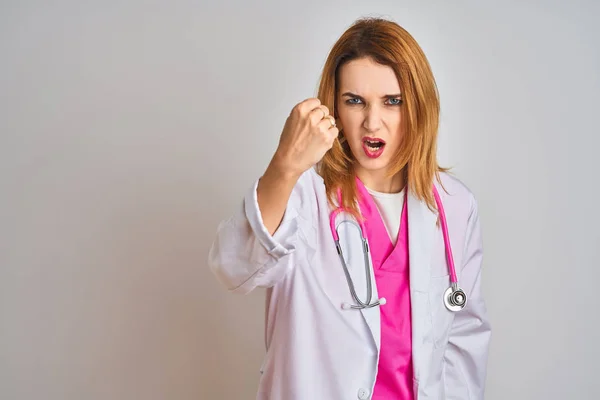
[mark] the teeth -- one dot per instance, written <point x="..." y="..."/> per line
<point x="374" y="146"/>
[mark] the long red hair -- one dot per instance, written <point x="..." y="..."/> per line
<point x="386" y="43"/>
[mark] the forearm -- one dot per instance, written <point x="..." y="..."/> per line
<point x="273" y="193"/>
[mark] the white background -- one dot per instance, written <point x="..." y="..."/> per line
<point x="128" y="130"/>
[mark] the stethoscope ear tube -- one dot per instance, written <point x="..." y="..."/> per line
<point x="359" y="303"/>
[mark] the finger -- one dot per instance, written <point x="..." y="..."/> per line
<point x="326" y="123"/>
<point x="304" y="107"/>
<point x="333" y="133"/>
<point x="318" y="114"/>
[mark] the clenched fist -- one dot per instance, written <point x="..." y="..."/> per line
<point x="308" y="133"/>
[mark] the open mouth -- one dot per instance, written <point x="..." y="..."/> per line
<point x="374" y="144"/>
<point x="373" y="147"/>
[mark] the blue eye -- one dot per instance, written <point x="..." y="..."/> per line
<point x="350" y="101"/>
<point x="394" y="101"/>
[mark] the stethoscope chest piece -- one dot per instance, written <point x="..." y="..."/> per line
<point x="455" y="298"/>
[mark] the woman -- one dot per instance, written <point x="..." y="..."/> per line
<point x="329" y="332"/>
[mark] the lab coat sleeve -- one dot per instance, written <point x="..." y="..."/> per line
<point x="244" y="255"/>
<point x="465" y="359"/>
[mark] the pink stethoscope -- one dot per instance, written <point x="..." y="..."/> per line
<point x="454" y="299"/>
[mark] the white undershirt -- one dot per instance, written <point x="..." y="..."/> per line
<point x="390" y="209"/>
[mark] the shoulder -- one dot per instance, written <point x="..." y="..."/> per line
<point x="456" y="194"/>
<point x="310" y="183"/>
<point x="461" y="209"/>
<point x="313" y="176"/>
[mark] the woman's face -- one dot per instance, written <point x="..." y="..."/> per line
<point x="369" y="113"/>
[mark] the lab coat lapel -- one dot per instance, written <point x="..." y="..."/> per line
<point x="371" y="315"/>
<point x="421" y="229"/>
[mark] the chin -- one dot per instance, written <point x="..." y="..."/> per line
<point x="372" y="164"/>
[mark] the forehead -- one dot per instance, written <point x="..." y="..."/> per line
<point x="365" y="77"/>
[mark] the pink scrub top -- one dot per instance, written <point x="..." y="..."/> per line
<point x="390" y="264"/>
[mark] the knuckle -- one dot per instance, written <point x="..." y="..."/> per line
<point x="304" y="109"/>
<point x="297" y="110"/>
<point x="310" y="103"/>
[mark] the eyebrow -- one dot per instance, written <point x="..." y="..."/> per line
<point x="350" y="94"/>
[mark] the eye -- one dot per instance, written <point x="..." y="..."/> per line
<point x="393" y="101"/>
<point x="350" y="101"/>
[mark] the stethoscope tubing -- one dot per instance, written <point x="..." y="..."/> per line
<point x="454" y="297"/>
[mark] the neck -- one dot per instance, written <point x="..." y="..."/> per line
<point x="379" y="182"/>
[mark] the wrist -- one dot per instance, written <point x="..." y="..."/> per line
<point x="282" y="170"/>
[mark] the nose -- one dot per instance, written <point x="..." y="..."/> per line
<point x="372" y="122"/>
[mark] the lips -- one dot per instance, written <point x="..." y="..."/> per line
<point x="373" y="147"/>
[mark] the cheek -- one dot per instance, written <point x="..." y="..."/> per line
<point x="351" y="122"/>
<point x="346" y="116"/>
<point x="397" y="125"/>
<point x="395" y="118"/>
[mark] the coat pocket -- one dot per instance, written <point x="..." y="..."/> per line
<point x="441" y="317"/>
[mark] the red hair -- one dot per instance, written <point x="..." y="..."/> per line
<point x="386" y="43"/>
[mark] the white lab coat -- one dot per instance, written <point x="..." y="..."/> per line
<point x="317" y="350"/>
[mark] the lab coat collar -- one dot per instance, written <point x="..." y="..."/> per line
<point x="421" y="229"/>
